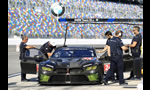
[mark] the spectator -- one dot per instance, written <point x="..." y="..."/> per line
<point x="23" y="19"/>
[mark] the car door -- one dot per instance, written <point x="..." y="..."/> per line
<point x="127" y="60"/>
<point x="105" y="59"/>
<point x="32" y="57"/>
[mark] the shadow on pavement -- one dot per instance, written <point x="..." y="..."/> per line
<point x="12" y="83"/>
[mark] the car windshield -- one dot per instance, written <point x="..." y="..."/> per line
<point x="73" y="53"/>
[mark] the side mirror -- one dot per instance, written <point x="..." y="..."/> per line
<point x="38" y="58"/>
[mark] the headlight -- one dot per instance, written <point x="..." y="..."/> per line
<point x="47" y="69"/>
<point x="91" y="68"/>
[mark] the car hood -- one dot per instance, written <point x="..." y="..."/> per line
<point x="70" y="62"/>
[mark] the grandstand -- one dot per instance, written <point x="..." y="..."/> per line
<point x="33" y="18"/>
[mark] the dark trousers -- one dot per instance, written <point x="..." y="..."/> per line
<point x="137" y="64"/>
<point x="23" y="75"/>
<point x="116" y="63"/>
<point x="113" y="76"/>
<point x="137" y="67"/>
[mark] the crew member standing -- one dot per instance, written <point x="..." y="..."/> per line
<point x="136" y="53"/>
<point x="115" y="48"/>
<point x="109" y="35"/>
<point x="23" y="48"/>
<point x="48" y="48"/>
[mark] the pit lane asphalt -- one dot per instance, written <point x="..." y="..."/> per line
<point x="13" y="60"/>
<point x="14" y="83"/>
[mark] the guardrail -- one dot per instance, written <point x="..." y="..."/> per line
<point x="75" y="42"/>
<point x="17" y="41"/>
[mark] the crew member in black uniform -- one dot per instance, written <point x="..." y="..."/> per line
<point x="109" y="35"/>
<point x="23" y="48"/>
<point x="136" y="53"/>
<point x="48" y="48"/>
<point x="116" y="57"/>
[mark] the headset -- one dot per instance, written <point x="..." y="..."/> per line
<point x="120" y="34"/>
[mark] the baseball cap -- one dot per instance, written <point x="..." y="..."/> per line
<point x="52" y="43"/>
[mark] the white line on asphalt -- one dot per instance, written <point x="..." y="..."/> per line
<point x="13" y="75"/>
<point x="13" y="52"/>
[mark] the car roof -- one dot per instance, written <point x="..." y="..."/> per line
<point x="74" y="48"/>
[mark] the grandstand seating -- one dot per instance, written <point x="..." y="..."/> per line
<point x="22" y="20"/>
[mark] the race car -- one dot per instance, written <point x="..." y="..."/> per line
<point x="71" y="65"/>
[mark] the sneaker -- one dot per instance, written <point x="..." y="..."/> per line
<point x="105" y="82"/>
<point x="130" y="78"/>
<point x="137" y="78"/>
<point x="24" y="80"/>
<point x="122" y="84"/>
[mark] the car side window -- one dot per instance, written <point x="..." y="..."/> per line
<point x="32" y="52"/>
<point x="57" y="54"/>
<point x="65" y="53"/>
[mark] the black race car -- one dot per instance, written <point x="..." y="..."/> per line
<point x="70" y="65"/>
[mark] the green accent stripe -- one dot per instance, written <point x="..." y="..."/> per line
<point x="44" y="78"/>
<point x="93" y="77"/>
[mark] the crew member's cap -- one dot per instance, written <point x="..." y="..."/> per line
<point x="52" y="43"/>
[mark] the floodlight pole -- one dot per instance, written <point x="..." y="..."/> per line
<point x="66" y="34"/>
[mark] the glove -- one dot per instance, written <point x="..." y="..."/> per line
<point x="126" y="51"/>
<point x="108" y="58"/>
